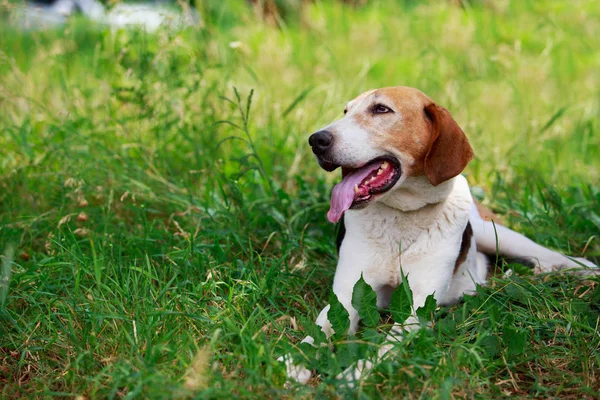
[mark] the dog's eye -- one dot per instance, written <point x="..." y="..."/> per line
<point x="345" y="110"/>
<point x="381" y="109"/>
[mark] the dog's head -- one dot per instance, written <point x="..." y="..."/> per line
<point x="386" y="136"/>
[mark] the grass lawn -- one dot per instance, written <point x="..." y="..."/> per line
<point x="163" y="231"/>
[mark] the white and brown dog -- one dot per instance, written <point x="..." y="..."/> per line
<point x="406" y="210"/>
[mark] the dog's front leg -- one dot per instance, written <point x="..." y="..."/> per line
<point x="428" y="274"/>
<point x="349" y="269"/>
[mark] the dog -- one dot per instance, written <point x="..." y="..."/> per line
<point x="404" y="209"/>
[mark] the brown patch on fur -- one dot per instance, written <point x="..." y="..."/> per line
<point x="409" y="134"/>
<point x="465" y="245"/>
<point x="488" y="215"/>
<point x="425" y="132"/>
<point x="449" y="149"/>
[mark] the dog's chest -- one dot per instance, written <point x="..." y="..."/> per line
<point x="394" y="239"/>
<point x="392" y="232"/>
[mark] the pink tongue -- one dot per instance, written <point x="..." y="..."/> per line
<point x="343" y="193"/>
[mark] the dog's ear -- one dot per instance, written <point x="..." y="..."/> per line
<point x="449" y="150"/>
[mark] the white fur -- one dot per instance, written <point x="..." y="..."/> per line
<point x="355" y="146"/>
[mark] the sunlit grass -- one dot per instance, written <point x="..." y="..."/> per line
<point x="149" y="237"/>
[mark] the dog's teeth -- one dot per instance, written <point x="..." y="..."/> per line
<point x="384" y="165"/>
<point x="379" y="171"/>
<point x="356" y="189"/>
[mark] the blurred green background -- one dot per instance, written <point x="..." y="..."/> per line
<point x="159" y="196"/>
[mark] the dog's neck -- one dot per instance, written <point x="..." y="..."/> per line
<point x="416" y="192"/>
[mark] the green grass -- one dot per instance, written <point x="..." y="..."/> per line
<point x="161" y="252"/>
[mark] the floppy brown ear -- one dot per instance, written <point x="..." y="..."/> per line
<point x="449" y="150"/>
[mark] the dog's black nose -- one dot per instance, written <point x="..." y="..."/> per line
<point x="320" y="142"/>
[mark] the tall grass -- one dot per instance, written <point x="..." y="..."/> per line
<point x="158" y="211"/>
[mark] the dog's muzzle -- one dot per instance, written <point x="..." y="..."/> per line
<point x="321" y="143"/>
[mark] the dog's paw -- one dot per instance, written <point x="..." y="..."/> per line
<point x="584" y="267"/>
<point x="580" y="261"/>
<point x="574" y="265"/>
<point x="352" y="376"/>
<point x="297" y="373"/>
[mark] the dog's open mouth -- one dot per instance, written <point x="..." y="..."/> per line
<point x="361" y="185"/>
